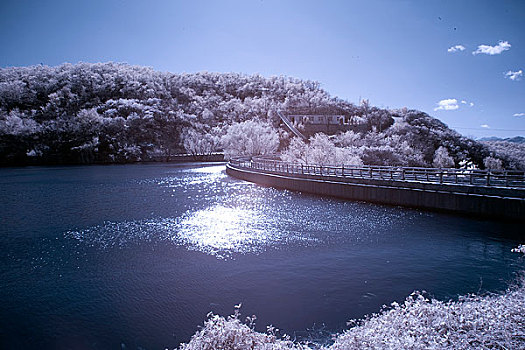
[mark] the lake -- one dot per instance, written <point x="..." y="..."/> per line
<point x="135" y="256"/>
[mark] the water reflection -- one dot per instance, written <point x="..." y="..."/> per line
<point x="192" y="177"/>
<point x="217" y="230"/>
<point x="217" y="215"/>
<point x="221" y="231"/>
<point x="152" y="248"/>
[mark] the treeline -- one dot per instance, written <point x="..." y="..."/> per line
<point x="111" y="112"/>
<point x="512" y="151"/>
<point x="114" y="112"/>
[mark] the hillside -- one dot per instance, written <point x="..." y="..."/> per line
<point x="516" y="139"/>
<point x="512" y="151"/>
<point x="112" y="112"/>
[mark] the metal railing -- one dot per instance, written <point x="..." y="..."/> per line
<point x="290" y="126"/>
<point x="473" y="177"/>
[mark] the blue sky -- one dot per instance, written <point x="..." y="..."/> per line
<point x="395" y="53"/>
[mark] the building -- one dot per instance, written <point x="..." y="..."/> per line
<point x="326" y="120"/>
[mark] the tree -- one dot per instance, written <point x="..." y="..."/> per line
<point x="199" y="143"/>
<point x="297" y="151"/>
<point x="250" y="138"/>
<point x="320" y="151"/>
<point x="492" y="163"/>
<point x="442" y="159"/>
<point x="117" y="112"/>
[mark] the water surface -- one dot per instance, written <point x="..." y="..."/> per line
<point x="135" y="256"/>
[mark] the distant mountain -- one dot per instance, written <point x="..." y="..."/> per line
<point x="516" y="139"/>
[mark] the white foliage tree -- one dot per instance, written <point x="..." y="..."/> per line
<point x="199" y="143"/>
<point x="442" y="159"/>
<point x="297" y="152"/>
<point x="493" y="164"/>
<point x="15" y="123"/>
<point x="320" y="151"/>
<point x="250" y="138"/>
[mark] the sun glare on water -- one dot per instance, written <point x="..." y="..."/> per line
<point x="217" y="230"/>
<point x="222" y="229"/>
<point x="238" y="223"/>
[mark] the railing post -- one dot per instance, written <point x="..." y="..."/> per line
<point x="403" y="174"/>
<point x="470" y="178"/>
<point x="440" y="176"/>
<point x="342" y="170"/>
<point x="506" y="174"/>
<point x="488" y="177"/>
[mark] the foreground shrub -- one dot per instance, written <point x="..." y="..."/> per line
<point x="231" y="334"/>
<point x="495" y="321"/>
<point x="473" y="322"/>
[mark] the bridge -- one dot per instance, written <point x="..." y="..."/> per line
<point x="480" y="192"/>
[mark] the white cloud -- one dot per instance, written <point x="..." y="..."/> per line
<point x="519" y="115"/>
<point x="514" y="75"/>
<point x="456" y="48"/>
<point x="449" y="104"/>
<point x="471" y="104"/>
<point x="493" y="50"/>
<point x="485" y="126"/>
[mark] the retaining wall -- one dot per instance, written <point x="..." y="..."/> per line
<point x="416" y="195"/>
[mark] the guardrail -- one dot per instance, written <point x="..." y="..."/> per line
<point x="290" y="126"/>
<point x="474" y="177"/>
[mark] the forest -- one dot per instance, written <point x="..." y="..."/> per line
<point x="114" y="113"/>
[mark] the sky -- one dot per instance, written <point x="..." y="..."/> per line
<point x="460" y="61"/>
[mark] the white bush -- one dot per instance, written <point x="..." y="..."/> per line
<point x="473" y="322"/>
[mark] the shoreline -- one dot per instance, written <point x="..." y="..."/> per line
<point x="179" y="158"/>
<point x="471" y="322"/>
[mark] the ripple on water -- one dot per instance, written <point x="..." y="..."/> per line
<point x="192" y="177"/>
<point x="241" y="217"/>
<point x="218" y="230"/>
